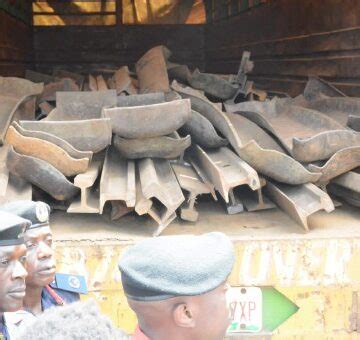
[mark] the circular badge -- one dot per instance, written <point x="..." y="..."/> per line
<point x="74" y="282"/>
<point x="42" y="212"/>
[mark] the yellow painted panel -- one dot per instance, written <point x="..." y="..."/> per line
<point x="320" y="276"/>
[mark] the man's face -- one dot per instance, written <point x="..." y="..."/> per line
<point x="214" y="319"/>
<point x="40" y="262"/>
<point x="12" y="277"/>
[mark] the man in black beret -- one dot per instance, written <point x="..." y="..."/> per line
<point x="43" y="290"/>
<point x="12" y="271"/>
<point x="177" y="286"/>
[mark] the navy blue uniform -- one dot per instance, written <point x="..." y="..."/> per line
<point x="3" y="331"/>
<point x="47" y="300"/>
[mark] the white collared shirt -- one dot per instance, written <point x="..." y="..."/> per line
<point x="15" y="321"/>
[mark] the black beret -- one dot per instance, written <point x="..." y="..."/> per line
<point x="36" y="212"/>
<point x="169" y="266"/>
<point x="12" y="229"/>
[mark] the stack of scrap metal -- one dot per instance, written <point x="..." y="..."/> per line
<point x="152" y="140"/>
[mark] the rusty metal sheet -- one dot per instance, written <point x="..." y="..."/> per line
<point x="141" y="99"/>
<point x="152" y="72"/>
<point x="157" y="147"/>
<point x="300" y="201"/>
<point x="190" y="181"/>
<point x="288" y="122"/>
<point x="344" y="110"/>
<point x="159" y="183"/>
<point x="211" y="112"/>
<point x="324" y="145"/>
<point x="62" y="85"/>
<point x="80" y="79"/>
<point x="123" y="81"/>
<point x="337" y="108"/>
<point x="46" y="151"/>
<point x="277" y="165"/>
<point x="85" y="135"/>
<point x="202" y="132"/>
<point x="13" y="93"/>
<point x="247" y="131"/>
<point x="81" y="105"/>
<point x="225" y="169"/>
<point x="101" y="83"/>
<point x="89" y="200"/>
<point x="317" y="88"/>
<point x="19" y="87"/>
<point x="42" y="175"/>
<point x="341" y="162"/>
<point x="67" y="147"/>
<point x="213" y="85"/>
<point x="117" y="181"/>
<point x="149" y="120"/>
<point x="265" y="155"/>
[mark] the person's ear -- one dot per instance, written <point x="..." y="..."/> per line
<point x="184" y="315"/>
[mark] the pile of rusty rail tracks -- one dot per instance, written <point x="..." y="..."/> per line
<point x="152" y="140"/>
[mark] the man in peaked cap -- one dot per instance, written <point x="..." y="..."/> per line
<point x="177" y="286"/>
<point x="12" y="271"/>
<point x="44" y="289"/>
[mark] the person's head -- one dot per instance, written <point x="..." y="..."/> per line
<point x="177" y="286"/>
<point x="201" y="317"/>
<point x="72" y="322"/>
<point x="40" y="262"/>
<point x="12" y="260"/>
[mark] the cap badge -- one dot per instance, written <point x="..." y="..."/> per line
<point x="42" y="213"/>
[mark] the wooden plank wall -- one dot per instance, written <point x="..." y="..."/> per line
<point x="290" y="40"/>
<point x="15" y="45"/>
<point x="85" y="48"/>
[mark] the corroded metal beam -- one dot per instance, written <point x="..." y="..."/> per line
<point x="225" y="169"/>
<point x="156" y="147"/>
<point x="149" y="120"/>
<point x="42" y="175"/>
<point x="117" y="181"/>
<point x="300" y="201"/>
<point x="85" y="135"/>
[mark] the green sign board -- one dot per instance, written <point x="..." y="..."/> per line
<point x="255" y="309"/>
